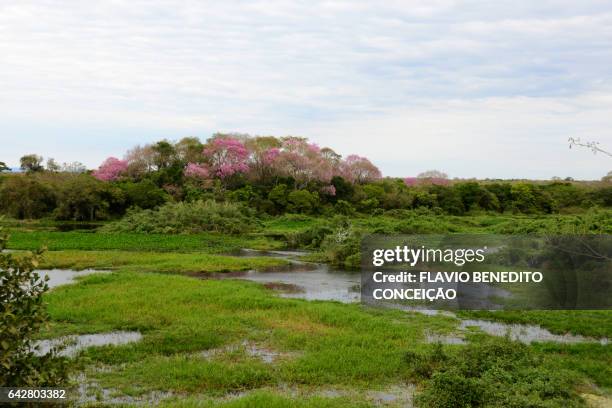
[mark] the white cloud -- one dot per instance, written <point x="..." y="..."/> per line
<point x="442" y="70"/>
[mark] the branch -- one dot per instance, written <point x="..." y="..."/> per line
<point x="594" y="146"/>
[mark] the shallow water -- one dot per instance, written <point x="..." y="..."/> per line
<point x="59" y="277"/>
<point x="527" y="333"/>
<point x="314" y="281"/>
<point x="311" y="281"/>
<point x="74" y="344"/>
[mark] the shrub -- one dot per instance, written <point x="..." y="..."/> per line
<point x="195" y="217"/>
<point x="302" y="201"/>
<point x="493" y="372"/>
<point x="22" y="313"/>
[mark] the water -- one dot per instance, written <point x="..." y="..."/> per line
<point x="74" y="344"/>
<point x="302" y="280"/>
<point x="314" y="281"/>
<point x="59" y="277"/>
<point x="527" y="333"/>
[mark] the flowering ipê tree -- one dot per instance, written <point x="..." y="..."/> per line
<point x="227" y="156"/>
<point x="303" y="161"/>
<point x="358" y="169"/>
<point x="198" y="171"/>
<point x="111" y="169"/>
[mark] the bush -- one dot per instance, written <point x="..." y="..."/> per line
<point x="493" y="372"/>
<point x="302" y="201"/>
<point x="22" y="313"/>
<point x="195" y="217"/>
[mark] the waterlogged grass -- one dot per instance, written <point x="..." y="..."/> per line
<point x="194" y="334"/>
<point x="89" y="241"/>
<point x="328" y="343"/>
<point x="593" y="323"/>
<point x="166" y="262"/>
<point x="267" y="399"/>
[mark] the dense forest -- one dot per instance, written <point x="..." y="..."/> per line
<point x="269" y="175"/>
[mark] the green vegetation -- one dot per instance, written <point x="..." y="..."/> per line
<point x="88" y="241"/>
<point x="181" y="317"/>
<point x="491" y="373"/>
<point x="155" y="262"/>
<point x="194" y="217"/>
<point x="185" y="207"/>
<point x="270" y="176"/>
<point x="199" y="336"/>
<point x="22" y="315"/>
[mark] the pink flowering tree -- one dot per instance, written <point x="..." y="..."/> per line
<point x="197" y="171"/>
<point x="358" y="169"/>
<point x="111" y="169"/>
<point x="303" y="161"/>
<point x="263" y="153"/>
<point x="227" y="156"/>
<point x="411" y="181"/>
<point x="434" y="177"/>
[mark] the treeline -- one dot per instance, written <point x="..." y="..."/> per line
<point x="270" y="176"/>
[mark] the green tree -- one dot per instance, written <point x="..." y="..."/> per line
<point x="22" y="314"/>
<point x="302" y="201"/>
<point x="278" y="195"/>
<point x="144" y="194"/>
<point x="83" y="198"/>
<point x="3" y="167"/>
<point x="26" y="197"/>
<point x="164" y="154"/>
<point x="31" y="163"/>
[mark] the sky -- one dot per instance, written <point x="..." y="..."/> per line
<point x="472" y="88"/>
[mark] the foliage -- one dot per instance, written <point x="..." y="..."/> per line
<point x="25" y="196"/>
<point x="289" y="174"/>
<point x="3" y="167"/>
<point x="194" y="217"/>
<point x="22" y="314"/>
<point x="493" y="372"/>
<point x="31" y="163"/>
<point x="83" y="198"/>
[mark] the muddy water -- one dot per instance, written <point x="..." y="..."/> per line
<point x="74" y="344"/>
<point x="314" y="281"/>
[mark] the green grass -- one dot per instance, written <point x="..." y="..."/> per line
<point x="322" y="345"/>
<point x="267" y="399"/>
<point x="180" y="317"/>
<point x="90" y="241"/>
<point x="166" y="262"/>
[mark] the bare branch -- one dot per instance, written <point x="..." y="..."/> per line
<point x="594" y="146"/>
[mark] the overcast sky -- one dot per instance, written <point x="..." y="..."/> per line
<point x="473" y="88"/>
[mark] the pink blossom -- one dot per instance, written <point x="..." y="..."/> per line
<point x="358" y="169"/>
<point x="313" y="148"/>
<point x="196" y="171"/>
<point x="411" y="181"/>
<point x="111" y="169"/>
<point x="415" y="181"/>
<point x="271" y="155"/>
<point x="227" y="156"/>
